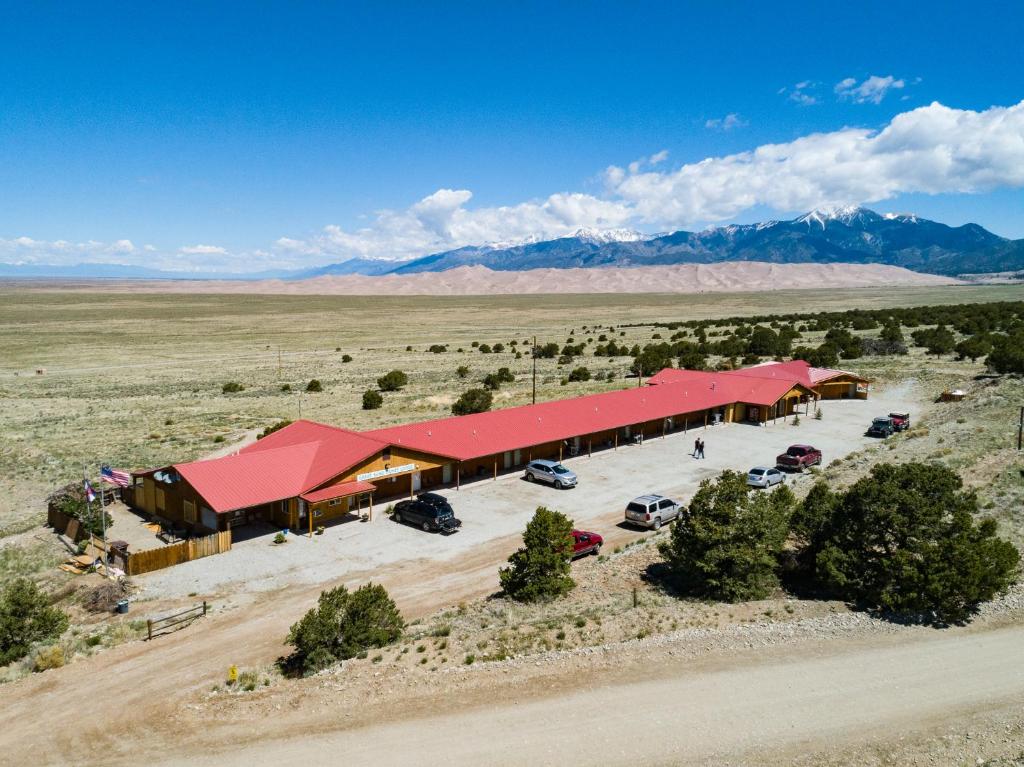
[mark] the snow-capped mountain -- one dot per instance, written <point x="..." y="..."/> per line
<point x="848" y="215"/>
<point x="847" y="234"/>
<point x="601" y="236"/>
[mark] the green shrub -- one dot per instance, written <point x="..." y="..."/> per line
<point x="392" y="381"/>
<point x="540" y="569"/>
<point x="437" y="348"/>
<point x="473" y="401"/>
<point x="248" y="680"/>
<point x="314" y="386"/>
<point x="1007" y="355"/>
<point x="273" y="427"/>
<point x="218" y="439"/>
<point x="462" y="371"/>
<point x="346" y="357"/>
<point x="904" y="539"/>
<point x="372" y="399"/>
<point x="579" y="374"/>
<point x="341" y="626"/>
<point x="280" y="538"/>
<point x="26" y="617"/>
<point x="286" y="387"/>
<point x="485" y="348"/>
<point x="727" y="543"/>
<point x="70" y="500"/>
<point x="231" y="387"/>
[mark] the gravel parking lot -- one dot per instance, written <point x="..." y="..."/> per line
<point x="499" y="509"/>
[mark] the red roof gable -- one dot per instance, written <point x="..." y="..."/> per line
<point x="291" y="461"/>
<point x="250" y="479"/>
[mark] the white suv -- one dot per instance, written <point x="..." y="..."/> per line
<point x="651" y="511"/>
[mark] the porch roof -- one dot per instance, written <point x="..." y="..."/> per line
<point x="338" y="491"/>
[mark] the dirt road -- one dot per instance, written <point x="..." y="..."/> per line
<point x="764" y="713"/>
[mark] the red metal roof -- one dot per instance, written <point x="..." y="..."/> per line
<point x="474" y="436"/>
<point x="300" y="458"/>
<point x="338" y="491"/>
<point x="291" y="461"/>
<point x="794" y="370"/>
<point x="250" y="479"/>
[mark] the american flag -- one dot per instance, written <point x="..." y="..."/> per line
<point x="90" y="496"/>
<point x="115" y="477"/>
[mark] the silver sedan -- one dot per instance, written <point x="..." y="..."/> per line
<point x="765" y="476"/>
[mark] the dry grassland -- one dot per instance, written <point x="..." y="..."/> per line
<point x="135" y="380"/>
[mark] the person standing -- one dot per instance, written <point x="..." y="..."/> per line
<point x="700" y="448"/>
<point x="696" y="448"/>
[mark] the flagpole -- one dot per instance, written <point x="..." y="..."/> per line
<point x="85" y="489"/>
<point x="103" y="520"/>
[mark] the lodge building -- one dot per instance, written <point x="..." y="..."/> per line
<point x="309" y="473"/>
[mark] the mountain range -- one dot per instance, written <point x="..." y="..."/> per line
<point x="839" y="235"/>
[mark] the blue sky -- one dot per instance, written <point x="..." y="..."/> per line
<point x="256" y="135"/>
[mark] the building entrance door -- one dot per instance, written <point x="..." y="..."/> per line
<point x="416" y="482"/>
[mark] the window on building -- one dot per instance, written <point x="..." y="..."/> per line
<point x="190" y="511"/>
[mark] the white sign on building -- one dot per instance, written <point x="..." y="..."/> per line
<point x="386" y="472"/>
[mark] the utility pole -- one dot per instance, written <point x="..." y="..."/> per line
<point x="278" y="363"/>
<point x="1020" y="430"/>
<point x="534" y="355"/>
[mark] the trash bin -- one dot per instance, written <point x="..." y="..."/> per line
<point x="122" y="606"/>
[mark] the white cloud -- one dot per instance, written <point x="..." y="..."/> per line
<point x="203" y="250"/>
<point x="442" y="221"/>
<point x="648" y="162"/>
<point x="933" y="149"/>
<point x="801" y="93"/>
<point x="26" y="250"/>
<point x="727" y="123"/>
<point x="872" y="90"/>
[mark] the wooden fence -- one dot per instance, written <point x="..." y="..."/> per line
<point x="158" y="626"/>
<point x="195" y="548"/>
<point x="65" y="525"/>
<point x="148" y="560"/>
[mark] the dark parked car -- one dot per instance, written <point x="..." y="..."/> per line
<point x="882" y="427"/>
<point x="429" y="511"/>
<point x="584" y="543"/>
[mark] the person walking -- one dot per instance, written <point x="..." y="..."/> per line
<point x="700" y="448"/>
<point x="696" y="448"/>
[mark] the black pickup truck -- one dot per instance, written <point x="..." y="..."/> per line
<point x="882" y="427"/>
<point x="430" y="512"/>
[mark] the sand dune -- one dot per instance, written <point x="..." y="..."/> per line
<point x="731" y="276"/>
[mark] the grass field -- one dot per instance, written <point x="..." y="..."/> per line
<point x="135" y="380"/>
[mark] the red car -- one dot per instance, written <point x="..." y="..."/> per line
<point x="584" y="543"/>
<point x="798" y="458"/>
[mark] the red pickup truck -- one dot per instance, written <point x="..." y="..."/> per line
<point x="584" y="543"/>
<point x="900" y="421"/>
<point x="798" y="458"/>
